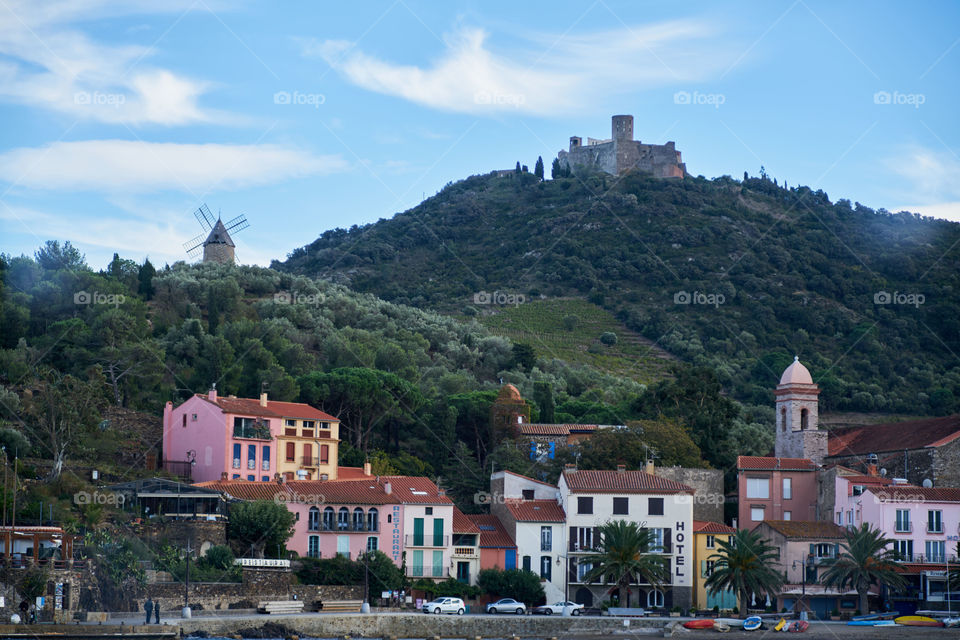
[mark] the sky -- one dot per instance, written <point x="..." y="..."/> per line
<point x="119" y="119"/>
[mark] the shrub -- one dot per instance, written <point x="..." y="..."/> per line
<point x="608" y="338"/>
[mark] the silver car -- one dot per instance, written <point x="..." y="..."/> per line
<point x="507" y="605"/>
<point x="445" y="605"/>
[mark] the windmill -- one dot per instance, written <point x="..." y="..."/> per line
<point x="215" y="241"/>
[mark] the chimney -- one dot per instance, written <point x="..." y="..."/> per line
<point x="212" y="394"/>
<point x="387" y="487"/>
<point x="569" y="467"/>
<point x="367" y="468"/>
<point x="263" y="399"/>
<point x="223" y="475"/>
<point x="872" y="470"/>
<point x="621" y="469"/>
<point x="648" y="467"/>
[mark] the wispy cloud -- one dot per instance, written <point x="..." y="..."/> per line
<point x="931" y="181"/>
<point x="545" y="74"/>
<point x="123" y="166"/>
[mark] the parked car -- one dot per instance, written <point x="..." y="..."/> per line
<point x="557" y="608"/>
<point x="507" y="605"/>
<point x="445" y="605"/>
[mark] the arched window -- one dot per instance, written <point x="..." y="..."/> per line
<point x="372" y="519"/>
<point x="655" y="599"/>
<point x="328" y="519"/>
<point x="783" y="419"/>
<point x="358" y="519"/>
<point x="343" y="518"/>
<point x="313" y="520"/>
<point x="804" y="424"/>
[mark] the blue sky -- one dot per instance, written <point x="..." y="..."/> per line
<point x="120" y="118"/>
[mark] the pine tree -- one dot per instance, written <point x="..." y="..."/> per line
<point x="538" y="168"/>
<point x="517" y="170"/>
<point x="555" y="170"/>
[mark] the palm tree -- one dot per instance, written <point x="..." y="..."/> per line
<point x="744" y="565"/>
<point x="865" y="560"/>
<point x="625" y="557"/>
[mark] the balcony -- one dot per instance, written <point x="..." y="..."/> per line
<point x="308" y="461"/>
<point x="426" y="540"/>
<point x="465" y="552"/>
<point x="253" y="432"/>
<point x="426" y="571"/>
<point x="343" y="528"/>
<point x="903" y="527"/>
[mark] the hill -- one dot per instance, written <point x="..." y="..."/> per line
<point x="735" y="275"/>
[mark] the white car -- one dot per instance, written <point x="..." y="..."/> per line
<point x="557" y="608"/>
<point x="445" y="605"/>
<point x="507" y="605"/>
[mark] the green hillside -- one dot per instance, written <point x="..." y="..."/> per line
<point x="771" y="271"/>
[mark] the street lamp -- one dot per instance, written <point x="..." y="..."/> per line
<point x="562" y="560"/>
<point x="804" y="565"/>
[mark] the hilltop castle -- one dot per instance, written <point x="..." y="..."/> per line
<point x="622" y="153"/>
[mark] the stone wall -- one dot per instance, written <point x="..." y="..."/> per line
<point x="810" y="443"/>
<point x="217" y="596"/>
<point x="708" y="484"/>
<point x="202" y="534"/>
<point x="80" y="591"/>
<point x="920" y="464"/>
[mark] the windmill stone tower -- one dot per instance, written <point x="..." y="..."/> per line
<point x="217" y="245"/>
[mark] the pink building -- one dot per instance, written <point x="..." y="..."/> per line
<point x="771" y="488"/>
<point x="239" y="438"/>
<point x="497" y="548"/>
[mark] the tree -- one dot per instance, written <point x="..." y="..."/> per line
<point x="744" y="565"/>
<point x="524" y="356"/>
<point x="864" y="560"/>
<point x="625" y="557"/>
<point x="608" y="338"/>
<point x="518" y="170"/>
<point x="555" y="170"/>
<point x="516" y="583"/>
<point x="145" y="279"/>
<point x="538" y="168"/>
<point x="52" y="257"/>
<point x="463" y="478"/>
<point x="570" y="322"/>
<point x="260" y="525"/>
<point x="543" y="396"/>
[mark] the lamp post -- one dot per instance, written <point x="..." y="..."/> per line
<point x="365" y="607"/>
<point x="563" y="560"/>
<point x="186" y="613"/>
<point x="806" y="562"/>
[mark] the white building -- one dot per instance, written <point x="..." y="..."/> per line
<point x="592" y="498"/>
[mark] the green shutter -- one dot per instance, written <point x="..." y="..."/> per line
<point x="418" y="563"/>
<point x="418" y="532"/>
<point x="438" y="532"/>
<point x="438" y="560"/>
<point x="703" y="568"/>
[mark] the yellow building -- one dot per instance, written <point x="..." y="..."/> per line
<point x="307" y="447"/>
<point x="705" y="537"/>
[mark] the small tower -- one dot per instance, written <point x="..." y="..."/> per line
<point x="219" y="246"/>
<point x="622" y="128"/>
<point x="798" y="426"/>
<point x="508" y="411"/>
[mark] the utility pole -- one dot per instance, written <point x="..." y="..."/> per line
<point x="186" y="586"/>
<point x="365" y="607"/>
<point x="13" y="515"/>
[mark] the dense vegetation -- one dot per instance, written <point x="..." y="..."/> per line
<point x="789" y="272"/>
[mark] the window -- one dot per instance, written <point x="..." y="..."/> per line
<point x="184" y="425"/>
<point x="839" y="517"/>
<point x="756" y="514"/>
<point x="308" y="455"/>
<point x="235" y="476"/>
<point x="358" y="519"/>
<point x="582" y="538"/>
<point x="251" y="456"/>
<point x="313" y="519"/>
<point x="343" y="518"/>
<point x="290" y="423"/>
<point x="265" y="478"/>
<point x="655" y="506"/>
<point x="655" y="599"/>
<point x="858" y="489"/>
<point x="935" y="521"/>
<point x="788" y="515"/>
<point x="711" y="542"/>
<point x="783" y="419"/>
<point x="904" y="550"/>
<point x="546" y="538"/>
<point x="825" y="550"/>
<point x="708" y="570"/>
<point x="236" y="456"/>
<point x="758" y="488"/>
<point x="313" y="547"/>
<point x="307" y="431"/>
<point x="850" y="517"/>
<point x="251" y="477"/>
<point x="328" y="519"/>
<point x="373" y="523"/>
<point x="787" y="488"/>
<point x="265" y="458"/>
<point x="526" y="563"/>
<point x="546" y="568"/>
<point x="804" y="419"/>
<point x="936" y="551"/>
<point x="324" y="454"/>
<point x="372" y="543"/>
<point x="583" y="568"/>
<point x="902" y="524"/>
<point x="528" y="494"/>
<point x="621" y="506"/>
<point x="584" y="505"/>
<point x="291" y="453"/>
<point x="343" y="546"/>
<point x="428" y="511"/>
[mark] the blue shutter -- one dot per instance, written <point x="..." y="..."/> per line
<point x="553" y="449"/>
<point x="533" y="450"/>
<point x="510" y="562"/>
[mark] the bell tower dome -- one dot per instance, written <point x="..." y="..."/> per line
<point x="798" y="420"/>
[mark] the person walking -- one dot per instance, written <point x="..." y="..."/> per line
<point x="148" y="607"/>
<point x="156" y="611"/>
<point x="24" y="608"/>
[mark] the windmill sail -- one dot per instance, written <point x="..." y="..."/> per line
<point x="204" y="217"/>
<point x="195" y="246"/>
<point x="237" y="224"/>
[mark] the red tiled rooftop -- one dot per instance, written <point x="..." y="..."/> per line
<point x="415" y="490"/>
<point x="893" y="436"/>
<point x="538" y="429"/>
<point x="246" y="489"/>
<point x="865" y="479"/>
<point x="340" y="492"/>
<point x="801" y="529"/>
<point x="463" y="524"/>
<point x="910" y="493"/>
<point x="274" y="408"/>
<point x="606" y="481"/>
<point x="771" y="463"/>
<point x="703" y="526"/>
<point x="518" y="475"/>
<point x="536" y="510"/>
<point x="351" y="473"/>
<point x="492" y="533"/>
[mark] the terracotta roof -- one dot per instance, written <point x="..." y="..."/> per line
<point x="702" y="526"/>
<point x="351" y="473"/>
<point x="32" y="529"/>
<point x="492" y="533"/>
<point x="590" y="481"/>
<point x="340" y="492"/>
<point x="274" y="408"/>
<point x="536" y="510"/>
<point x="865" y="479"/>
<point x="893" y="436"/>
<point x="463" y="524"/>
<point x="540" y="429"/>
<point x="796" y="373"/>
<point x="770" y="463"/>
<point x="246" y="489"/>
<point x="812" y="530"/>
<point x="519" y="475"/>
<point x="910" y="493"/>
<point x="415" y="490"/>
<point x="509" y="393"/>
